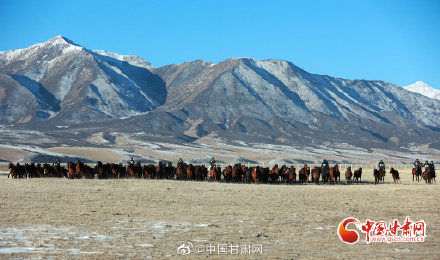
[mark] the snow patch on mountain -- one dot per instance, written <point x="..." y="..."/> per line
<point x="424" y="89"/>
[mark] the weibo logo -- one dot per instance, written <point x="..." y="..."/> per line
<point x="347" y="235"/>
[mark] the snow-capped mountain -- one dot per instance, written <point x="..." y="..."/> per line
<point x="424" y="89"/>
<point x="60" y="82"/>
<point x="59" y="79"/>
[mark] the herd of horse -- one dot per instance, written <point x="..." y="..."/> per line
<point x="238" y="173"/>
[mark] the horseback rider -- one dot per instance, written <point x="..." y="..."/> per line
<point x="325" y="166"/>
<point x="212" y="161"/>
<point x="381" y="165"/>
<point x="427" y="166"/>
<point x="131" y="161"/>
<point x="417" y="163"/>
<point x="180" y="161"/>
<point x="56" y="162"/>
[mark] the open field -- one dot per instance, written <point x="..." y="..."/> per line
<point x="143" y="218"/>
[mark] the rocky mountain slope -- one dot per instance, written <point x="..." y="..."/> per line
<point x="272" y="101"/>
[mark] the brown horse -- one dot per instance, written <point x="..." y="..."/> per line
<point x="181" y="171"/>
<point x="236" y="173"/>
<point x="227" y="173"/>
<point x="358" y="175"/>
<point x="382" y="175"/>
<point x="159" y="171"/>
<point x="243" y="173"/>
<point x="190" y="172"/>
<point x="212" y="173"/>
<point x="71" y="168"/>
<point x="395" y="175"/>
<point x="274" y="174"/>
<point x="348" y="174"/>
<point x="291" y="175"/>
<point x="333" y="174"/>
<point x="427" y="175"/>
<point x="16" y="171"/>
<point x="417" y="173"/>
<point x="256" y="172"/>
<point x="376" y="175"/>
<point x="304" y="174"/>
<point x="316" y="174"/>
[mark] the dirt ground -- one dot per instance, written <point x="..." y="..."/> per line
<point x="152" y="218"/>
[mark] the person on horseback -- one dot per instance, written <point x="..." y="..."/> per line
<point x="325" y="166"/>
<point x="180" y="161"/>
<point x="212" y="161"/>
<point x="381" y="165"/>
<point x="56" y="162"/>
<point x="131" y="161"/>
<point x="427" y="166"/>
<point x="417" y="163"/>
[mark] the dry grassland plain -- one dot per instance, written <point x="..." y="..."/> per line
<point x="151" y="218"/>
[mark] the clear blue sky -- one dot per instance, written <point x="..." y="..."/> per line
<point x="394" y="41"/>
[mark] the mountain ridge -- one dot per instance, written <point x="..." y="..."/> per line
<point x="274" y="100"/>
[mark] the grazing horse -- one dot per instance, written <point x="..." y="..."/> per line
<point x="417" y="172"/>
<point x="376" y="175"/>
<point x="395" y="175"/>
<point x="316" y="174"/>
<point x="358" y="175"/>
<point x="304" y="174"/>
<point x="348" y="175"/>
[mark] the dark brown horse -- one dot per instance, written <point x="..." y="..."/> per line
<point x="274" y="174"/>
<point x="358" y="175"/>
<point x="16" y="171"/>
<point x="376" y="175"/>
<point x="303" y="174"/>
<point x="333" y="174"/>
<point x="417" y="173"/>
<point x="316" y="174"/>
<point x="382" y="175"/>
<point x="395" y="175"/>
<point x="427" y="175"/>
<point x="256" y="172"/>
<point x="227" y="173"/>
<point x="348" y="175"/>
<point x="181" y="171"/>
<point x="291" y="174"/>
<point x="190" y="172"/>
<point x="71" y="168"/>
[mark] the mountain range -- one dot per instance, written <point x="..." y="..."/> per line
<point x="61" y="88"/>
